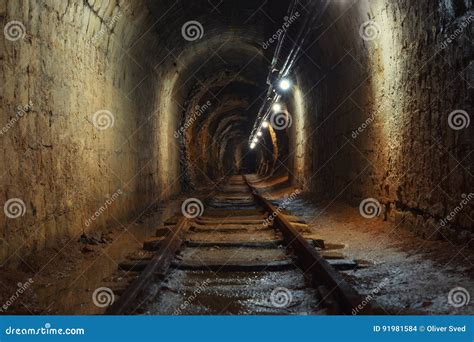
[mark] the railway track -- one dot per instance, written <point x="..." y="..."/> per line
<point x="242" y="255"/>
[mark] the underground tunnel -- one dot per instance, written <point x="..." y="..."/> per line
<point x="171" y="157"/>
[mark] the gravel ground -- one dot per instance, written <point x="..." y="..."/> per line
<point x="407" y="275"/>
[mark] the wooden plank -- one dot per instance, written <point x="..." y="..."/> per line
<point x="243" y="244"/>
<point x="154" y="243"/>
<point x="342" y="264"/>
<point x="229" y="229"/>
<point x="134" y="265"/>
<point x="274" y="266"/>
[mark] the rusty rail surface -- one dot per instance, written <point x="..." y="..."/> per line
<point x="312" y="262"/>
<point x="157" y="268"/>
<point x="336" y="292"/>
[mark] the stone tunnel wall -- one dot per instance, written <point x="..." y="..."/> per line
<point x="73" y="169"/>
<point x="377" y="104"/>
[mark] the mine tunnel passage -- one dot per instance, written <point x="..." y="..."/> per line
<point x="343" y="123"/>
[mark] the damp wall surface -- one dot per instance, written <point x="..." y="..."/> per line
<point x="75" y="153"/>
<point x="374" y="95"/>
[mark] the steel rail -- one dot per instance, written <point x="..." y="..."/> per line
<point x="313" y="263"/>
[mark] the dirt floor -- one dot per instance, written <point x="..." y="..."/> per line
<point x="61" y="280"/>
<point x="402" y="273"/>
<point x="405" y="274"/>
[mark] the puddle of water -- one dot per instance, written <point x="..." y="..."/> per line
<point x="239" y="293"/>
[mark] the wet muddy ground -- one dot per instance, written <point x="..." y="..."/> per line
<point x="403" y="273"/>
<point x="233" y="264"/>
<point x="408" y="275"/>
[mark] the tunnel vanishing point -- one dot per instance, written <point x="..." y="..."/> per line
<point x="345" y="123"/>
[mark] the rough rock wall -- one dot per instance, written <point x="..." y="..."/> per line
<point x="378" y="101"/>
<point x="72" y="157"/>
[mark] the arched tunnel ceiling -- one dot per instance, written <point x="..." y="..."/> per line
<point x="253" y="17"/>
<point x="373" y="119"/>
<point x="225" y="71"/>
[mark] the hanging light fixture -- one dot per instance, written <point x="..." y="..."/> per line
<point x="284" y="84"/>
<point x="276" y="107"/>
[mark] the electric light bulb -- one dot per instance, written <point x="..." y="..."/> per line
<point x="284" y="84"/>
<point x="276" y="107"/>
